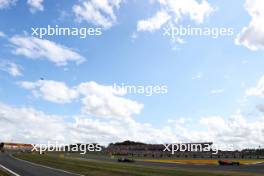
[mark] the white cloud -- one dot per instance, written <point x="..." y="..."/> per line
<point x="97" y="100"/>
<point x="6" y="3"/>
<point x="154" y="22"/>
<point x="29" y="125"/>
<point x="252" y="36"/>
<point x="257" y="91"/>
<point x="57" y="92"/>
<point x="172" y="11"/>
<point x="106" y="102"/>
<point x="35" y="48"/>
<point x="197" y="11"/>
<point x="117" y="123"/>
<point x="98" y="12"/>
<point x="2" y="34"/>
<point x="236" y="130"/>
<point x="11" y="68"/>
<point x="24" y="124"/>
<point x="35" y="5"/>
<point x="214" y="122"/>
<point x="217" y="91"/>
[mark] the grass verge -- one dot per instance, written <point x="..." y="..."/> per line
<point x="203" y="161"/>
<point x="3" y="173"/>
<point x="104" y="168"/>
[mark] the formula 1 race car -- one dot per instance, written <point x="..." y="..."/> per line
<point x="125" y="160"/>
<point x="228" y="163"/>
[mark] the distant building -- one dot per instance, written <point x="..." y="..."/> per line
<point x="7" y="146"/>
<point x="137" y="149"/>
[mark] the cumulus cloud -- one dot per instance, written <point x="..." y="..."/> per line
<point x="107" y="116"/>
<point x="29" y="125"/>
<point x="172" y="11"/>
<point x="257" y="91"/>
<point x="25" y="124"/>
<point x="97" y="100"/>
<point x="235" y="130"/>
<point x="35" y="5"/>
<point x="252" y="36"/>
<point x="57" y="92"/>
<point x="98" y="12"/>
<point x="11" y="68"/>
<point x="98" y="96"/>
<point x="35" y="48"/>
<point x="154" y="22"/>
<point x="6" y="3"/>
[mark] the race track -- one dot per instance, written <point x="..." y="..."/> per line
<point x="22" y="168"/>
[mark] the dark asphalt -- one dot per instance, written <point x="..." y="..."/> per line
<point x="27" y="169"/>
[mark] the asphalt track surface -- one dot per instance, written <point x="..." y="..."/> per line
<point x="22" y="168"/>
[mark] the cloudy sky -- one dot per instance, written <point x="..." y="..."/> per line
<point x="59" y="87"/>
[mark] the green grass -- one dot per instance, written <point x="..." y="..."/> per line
<point x="104" y="168"/>
<point x="3" y="173"/>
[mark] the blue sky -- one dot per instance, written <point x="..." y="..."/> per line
<point x="209" y="80"/>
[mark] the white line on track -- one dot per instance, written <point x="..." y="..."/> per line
<point x="47" y="167"/>
<point x="8" y="170"/>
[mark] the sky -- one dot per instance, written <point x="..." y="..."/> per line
<point x="60" y="87"/>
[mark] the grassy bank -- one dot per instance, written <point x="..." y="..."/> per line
<point x="104" y="168"/>
<point x="204" y="161"/>
<point x="3" y="173"/>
